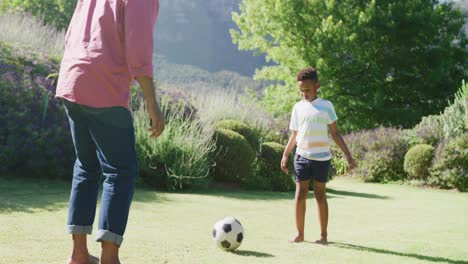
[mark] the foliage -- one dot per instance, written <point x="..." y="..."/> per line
<point x="372" y="55"/>
<point x="379" y="153"/>
<point x="234" y="157"/>
<point x="28" y="35"/>
<point x="34" y="135"/>
<point x="176" y="102"/>
<point x="450" y="166"/>
<point x="216" y="104"/>
<point x="418" y="161"/>
<point x="428" y="131"/>
<point x="267" y="171"/>
<point x="53" y="12"/>
<point x="243" y="129"/>
<point x="455" y="116"/>
<point x="178" y="159"/>
<point x="272" y="153"/>
<point x="339" y="167"/>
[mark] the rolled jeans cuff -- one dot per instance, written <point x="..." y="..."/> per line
<point x="79" y="230"/>
<point x="108" y="236"/>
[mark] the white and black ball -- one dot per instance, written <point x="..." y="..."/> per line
<point x="228" y="233"/>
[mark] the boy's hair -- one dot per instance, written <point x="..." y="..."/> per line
<point x="307" y="74"/>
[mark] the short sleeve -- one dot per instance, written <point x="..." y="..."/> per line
<point x="332" y="114"/>
<point x="140" y="20"/>
<point x="293" y="125"/>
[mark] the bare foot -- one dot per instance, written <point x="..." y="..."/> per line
<point x="91" y="260"/>
<point x="322" y="241"/>
<point x="296" y="239"/>
<point x="111" y="262"/>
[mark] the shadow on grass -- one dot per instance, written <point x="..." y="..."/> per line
<point x="267" y="195"/>
<point x="356" y="194"/>
<point x="30" y="195"/>
<point x="249" y="253"/>
<point x="246" y="195"/>
<point x="147" y="195"/>
<point x="390" y="252"/>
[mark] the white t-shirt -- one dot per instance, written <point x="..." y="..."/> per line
<point x="311" y="120"/>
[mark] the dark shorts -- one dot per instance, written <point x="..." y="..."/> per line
<point x="306" y="169"/>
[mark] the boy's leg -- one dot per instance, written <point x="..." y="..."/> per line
<point x="302" y="175"/>
<point x="84" y="191"/>
<point x="302" y="189"/>
<point x="112" y="129"/>
<point x="322" y="205"/>
<point x="320" y="173"/>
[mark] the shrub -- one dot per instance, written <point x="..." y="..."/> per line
<point x="34" y="134"/>
<point x="181" y="157"/>
<point x="428" y="131"/>
<point x="215" y="105"/>
<point x="267" y="170"/>
<point x="271" y="155"/>
<point x="234" y="157"/>
<point x="259" y="180"/>
<point x="26" y="33"/>
<point x="455" y="116"/>
<point x="378" y="152"/>
<point x="450" y="165"/>
<point x="242" y="129"/>
<point x="418" y="161"/>
<point x="54" y="12"/>
<point x="174" y="102"/>
<point x="278" y="130"/>
<point x="339" y="167"/>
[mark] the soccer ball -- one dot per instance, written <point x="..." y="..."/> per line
<point x="228" y="233"/>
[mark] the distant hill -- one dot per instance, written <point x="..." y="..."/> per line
<point x="196" y="32"/>
<point x="193" y="77"/>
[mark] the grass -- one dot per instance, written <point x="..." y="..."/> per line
<point x="369" y="223"/>
<point x="28" y="34"/>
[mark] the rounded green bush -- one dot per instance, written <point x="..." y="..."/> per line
<point x="268" y="174"/>
<point x="234" y="156"/>
<point x="418" y="161"/>
<point x="272" y="153"/>
<point x="241" y="128"/>
<point x="450" y="167"/>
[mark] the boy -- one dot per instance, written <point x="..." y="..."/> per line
<point x="311" y="119"/>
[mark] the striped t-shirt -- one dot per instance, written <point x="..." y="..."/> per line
<point x="311" y="120"/>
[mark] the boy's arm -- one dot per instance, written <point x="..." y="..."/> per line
<point x="287" y="151"/>
<point x="336" y="135"/>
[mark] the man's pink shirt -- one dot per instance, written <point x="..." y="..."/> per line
<point x="108" y="44"/>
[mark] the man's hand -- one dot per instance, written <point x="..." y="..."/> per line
<point x="152" y="106"/>
<point x="157" y="119"/>
<point x="284" y="164"/>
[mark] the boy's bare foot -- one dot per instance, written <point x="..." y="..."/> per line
<point x="91" y="260"/>
<point x="322" y="241"/>
<point x="296" y="239"/>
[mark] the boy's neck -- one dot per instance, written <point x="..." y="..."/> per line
<point x="311" y="100"/>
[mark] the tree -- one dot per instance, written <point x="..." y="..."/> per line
<point x="57" y="13"/>
<point x="386" y="62"/>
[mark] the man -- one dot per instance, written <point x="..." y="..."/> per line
<point x="109" y="43"/>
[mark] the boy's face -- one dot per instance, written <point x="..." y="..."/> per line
<point x="308" y="89"/>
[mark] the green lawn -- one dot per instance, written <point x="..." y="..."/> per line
<point x="369" y="223"/>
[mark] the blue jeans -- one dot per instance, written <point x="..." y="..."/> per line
<point x="104" y="143"/>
